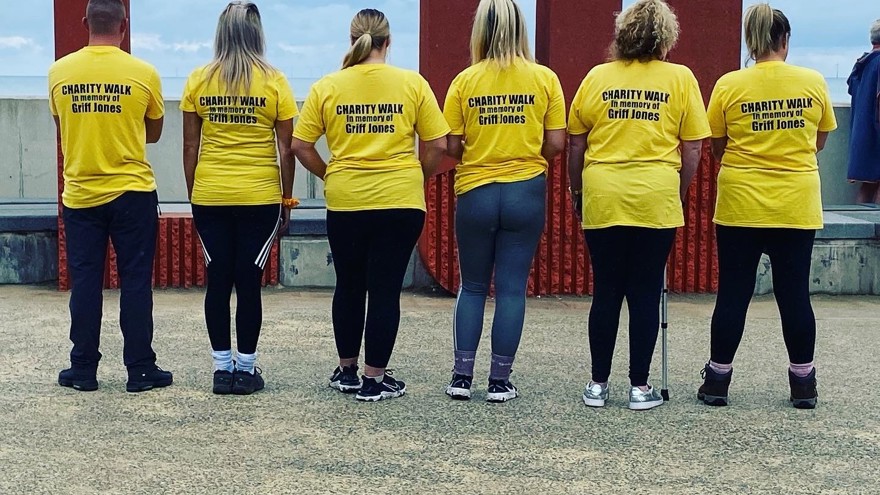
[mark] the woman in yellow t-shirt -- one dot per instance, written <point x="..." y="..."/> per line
<point x="507" y="115"/>
<point x="637" y="124"/>
<point x="768" y="122"/>
<point x="371" y="113"/>
<point x="236" y="110"/>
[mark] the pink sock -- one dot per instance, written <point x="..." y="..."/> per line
<point x="801" y="370"/>
<point x="721" y="369"/>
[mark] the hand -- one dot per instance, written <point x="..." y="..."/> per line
<point x="285" y="220"/>
<point x="577" y="202"/>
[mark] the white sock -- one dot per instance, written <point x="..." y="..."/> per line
<point x="245" y="362"/>
<point x="223" y="360"/>
<point x="377" y="379"/>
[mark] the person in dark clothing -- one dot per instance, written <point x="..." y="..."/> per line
<point x="864" y="145"/>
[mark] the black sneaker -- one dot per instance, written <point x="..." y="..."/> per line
<point x="83" y="381"/>
<point x="501" y="391"/>
<point x="247" y="383"/>
<point x="148" y="379"/>
<point x="713" y="391"/>
<point x="803" y="390"/>
<point x="459" y="387"/>
<point x="223" y="382"/>
<point x="345" y="379"/>
<point x="388" y="388"/>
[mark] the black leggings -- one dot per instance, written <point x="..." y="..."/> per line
<point x="237" y="241"/>
<point x="371" y="251"/>
<point x="628" y="262"/>
<point x="739" y="252"/>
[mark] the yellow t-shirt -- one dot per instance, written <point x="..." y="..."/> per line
<point x="371" y="114"/>
<point x="770" y="114"/>
<point x="101" y="96"/>
<point x="503" y="114"/>
<point x="637" y="114"/>
<point x="238" y="158"/>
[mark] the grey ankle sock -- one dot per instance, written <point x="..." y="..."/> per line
<point x="464" y="362"/>
<point x="500" y="369"/>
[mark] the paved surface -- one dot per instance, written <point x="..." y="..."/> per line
<point x="298" y="436"/>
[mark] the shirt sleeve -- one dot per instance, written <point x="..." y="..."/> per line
<point x="555" y="117"/>
<point x="694" y="122"/>
<point x="286" y="100"/>
<point x="452" y="109"/>
<point x="310" y="126"/>
<point x="716" y="115"/>
<point x="829" y="121"/>
<point x="156" y="105"/>
<point x="576" y="125"/>
<point x="188" y="100"/>
<point x="52" y="107"/>
<point x="430" y="123"/>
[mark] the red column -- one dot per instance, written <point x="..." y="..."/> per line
<point x="710" y="45"/>
<point x="70" y="36"/>
<point x="445" y="27"/>
<point x="565" y="44"/>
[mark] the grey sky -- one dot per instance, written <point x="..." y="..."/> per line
<point x="307" y="38"/>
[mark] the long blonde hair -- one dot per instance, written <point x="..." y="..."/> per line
<point x="765" y="30"/>
<point x="369" y="30"/>
<point x="499" y="33"/>
<point x="646" y="31"/>
<point x="239" y="46"/>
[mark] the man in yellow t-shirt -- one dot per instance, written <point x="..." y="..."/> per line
<point x="109" y="192"/>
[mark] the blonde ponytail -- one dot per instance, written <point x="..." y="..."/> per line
<point x="765" y="29"/>
<point x="499" y="33"/>
<point x="369" y="30"/>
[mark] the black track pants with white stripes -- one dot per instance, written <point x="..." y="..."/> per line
<point x="237" y="241"/>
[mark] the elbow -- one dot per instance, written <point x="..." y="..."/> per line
<point x="153" y="138"/>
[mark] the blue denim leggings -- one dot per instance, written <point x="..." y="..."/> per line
<point x="497" y="227"/>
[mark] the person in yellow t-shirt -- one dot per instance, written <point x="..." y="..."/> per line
<point x="768" y="122"/>
<point x="636" y="129"/>
<point x="507" y="115"/>
<point x="236" y="111"/>
<point x="107" y="106"/>
<point x="371" y="113"/>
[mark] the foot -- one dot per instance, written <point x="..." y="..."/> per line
<point x="345" y="379"/>
<point x="501" y="391"/>
<point x="148" y="379"/>
<point x="643" y="400"/>
<point x="595" y="395"/>
<point x="459" y="387"/>
<point x="246" y="383"/>
<point x="803" y="390"/>
<point x="223" y="382"/>
<point x="388" y="388"/>
<point x="713" y="391"/>
<point x="78" y="380"/>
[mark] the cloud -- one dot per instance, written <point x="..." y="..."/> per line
<point x="152" y="42"/>
<point x="17" y="42"/>
<point x="191" y="46"/>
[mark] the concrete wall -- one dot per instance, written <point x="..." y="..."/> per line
<point x="28" y="258"/>
<point x="28" y="158"/>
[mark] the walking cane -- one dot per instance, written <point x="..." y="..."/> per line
<point x="664" y="326"/>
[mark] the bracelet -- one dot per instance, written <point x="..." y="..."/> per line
<point x="575" y="193"/>
<point x="289" y="202"/>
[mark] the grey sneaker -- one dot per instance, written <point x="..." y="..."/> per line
<point x="641" y="401"/>
<point x="595" y="395"/>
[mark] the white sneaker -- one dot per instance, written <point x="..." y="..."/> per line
<point x="595" y="395"/>
<point x="641" y="401"/>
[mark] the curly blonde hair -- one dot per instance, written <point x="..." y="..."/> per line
<point x="646" y="31"/>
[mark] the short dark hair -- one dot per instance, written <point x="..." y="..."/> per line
<point x="105" y="16"/>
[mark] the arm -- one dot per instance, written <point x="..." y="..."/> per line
<point x="821" y="139"/>
<point x="309" y="157"/>
<point x="455" y="146"/>
<point x="718" y="147"/>
<point x="577" y="147"/>
<point x="691" y="152"/>
<point x="192" y="136"/>
<point x="154" y="129"/>
<point x="284" y="136"/>
<point x="554" y="143"/>
<point x="434" y="151"/>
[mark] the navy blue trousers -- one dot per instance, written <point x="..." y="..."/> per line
<point x="130" y="222"/>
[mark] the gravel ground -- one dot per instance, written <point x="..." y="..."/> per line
<point x="298" y="436"/>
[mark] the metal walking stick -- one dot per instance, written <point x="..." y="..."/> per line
<point x="664" y="326"/>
